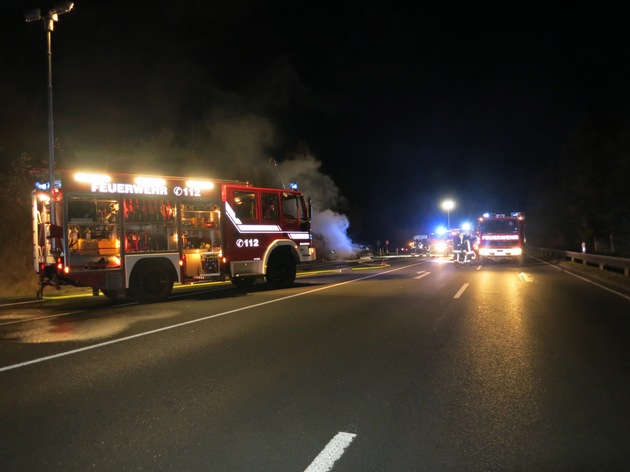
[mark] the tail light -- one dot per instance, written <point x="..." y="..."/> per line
<point x="61" y="267"/>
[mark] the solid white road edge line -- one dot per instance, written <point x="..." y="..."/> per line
<point x="331" y="453"/>
<point x="608" y="289"/>
<point x="461" y="290"/>
<point x="179" y="325"/>
<point x="596" y="284"/>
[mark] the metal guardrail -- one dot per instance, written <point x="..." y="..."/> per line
<point x="617" y="264"/>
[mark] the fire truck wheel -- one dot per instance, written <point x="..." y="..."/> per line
<point x="114" y="295"/>
<point x="281" y="272"/>
<point x="151" y="282"/>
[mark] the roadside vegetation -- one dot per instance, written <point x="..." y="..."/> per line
<point x="18" y="277"/>
<point x="583" y="195"/>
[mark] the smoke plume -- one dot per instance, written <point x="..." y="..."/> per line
<point x="233" y="139"/>
<point x="330" y="228"/>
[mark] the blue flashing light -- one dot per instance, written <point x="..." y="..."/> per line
<point x="46" y="185"/>
<point x="293" y="185"/>
<point x="466" y="226"/>
<point x="440" y="230"/>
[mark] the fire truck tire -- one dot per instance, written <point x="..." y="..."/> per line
<point x="114" y="295"/>
<point x="280" y="272"/>
<point x="151" y="282"/>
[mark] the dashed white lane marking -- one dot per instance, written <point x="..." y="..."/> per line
<point x="461" y="290"/>
<point x="331" y="453"/>
<point x="422" y="273"/>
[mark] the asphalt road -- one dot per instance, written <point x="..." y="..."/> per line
<point x="417" y="366"/>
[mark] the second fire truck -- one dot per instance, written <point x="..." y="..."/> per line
<point x="133" y="236"/>
<point x="501" y="237"/>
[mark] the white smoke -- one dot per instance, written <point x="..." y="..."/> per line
<point x="330" y="228"/>
<point x="234" y="140"/>
<point x="333" y="227"/>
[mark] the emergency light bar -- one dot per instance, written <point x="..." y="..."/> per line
<point x="514" y="214"/>
<point x="200" y="184"/>
<point x="92" y="178"/>
<point x="46" y="185"/>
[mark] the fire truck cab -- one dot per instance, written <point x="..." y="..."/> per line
<point x="133" y="237"/>
<point x="421" y="245"/>
<point x="502" y="237"/>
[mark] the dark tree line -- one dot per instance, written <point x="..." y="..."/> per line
<point x="21" y="138"/>
<point x="585" y="195"/>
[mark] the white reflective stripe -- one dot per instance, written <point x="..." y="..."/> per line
<point x="305" y="236"/>
<point x="231" y="215"/>
<point x="242" y="228"/>
<point x="259" y="228"/>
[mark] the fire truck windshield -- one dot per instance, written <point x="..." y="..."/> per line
<point x="499" y="226"/>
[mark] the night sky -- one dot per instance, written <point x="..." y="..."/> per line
<point x="391" y="106"/>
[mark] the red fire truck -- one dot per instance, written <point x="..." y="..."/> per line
<point x="133" y="236"/>
<point x="501" y="236"/>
